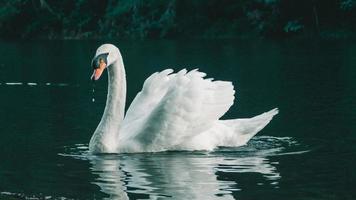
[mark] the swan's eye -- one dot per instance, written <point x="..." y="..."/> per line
<point x="102" y="58"/>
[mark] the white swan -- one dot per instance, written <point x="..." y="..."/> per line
<point x="173" y="111"/>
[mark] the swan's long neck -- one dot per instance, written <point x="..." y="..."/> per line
<point x="105" y="137"/>
<point x="115" y="102"/>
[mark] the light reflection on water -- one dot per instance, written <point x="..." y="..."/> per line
<point x="185" y="175"/>
<point x="37" y="84"/>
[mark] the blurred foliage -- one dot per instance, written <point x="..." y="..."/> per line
<point x="78" y="19"/>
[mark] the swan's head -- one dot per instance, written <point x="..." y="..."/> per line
<point x="105" y="56"/>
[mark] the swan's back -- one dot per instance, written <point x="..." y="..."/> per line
<point x="173" y="108"/>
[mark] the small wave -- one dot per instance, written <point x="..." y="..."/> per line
<point x="257" y="146"/>
<point x="58" y="84"/>
<point x="14" y="83"/>
<point x="293" y="153"/>
<point x="78" y="151"/>
<point x="38" y="84"/>
<point x="266" y="146"/>
<point x="12" y="195"/>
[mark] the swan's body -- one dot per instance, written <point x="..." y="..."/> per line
<point x="174" y="111"/>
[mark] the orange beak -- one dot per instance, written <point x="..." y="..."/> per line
<point x="98" y="71"/>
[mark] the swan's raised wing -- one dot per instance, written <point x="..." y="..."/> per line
<point x="173" y="108"/>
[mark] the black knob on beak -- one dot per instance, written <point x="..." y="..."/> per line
<point x="96" y="61"/>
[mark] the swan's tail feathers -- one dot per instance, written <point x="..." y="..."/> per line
<point x="245" y="129"/>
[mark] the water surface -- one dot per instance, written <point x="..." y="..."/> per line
<point x="47" y="117"/>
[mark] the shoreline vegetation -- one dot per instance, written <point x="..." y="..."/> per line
<point x="177" y="19"/>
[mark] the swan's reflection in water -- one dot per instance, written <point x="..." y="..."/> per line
<point x="187" y="175"/>
<point x="110" y="177"/>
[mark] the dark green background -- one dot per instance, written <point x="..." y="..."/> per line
<point x="139" y="19"/>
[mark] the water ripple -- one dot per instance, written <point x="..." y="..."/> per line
<point x="37" y="84"/>
<point x="10" y="195"/>
<point x="187" y="175"/>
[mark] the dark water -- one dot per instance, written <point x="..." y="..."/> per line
<point x="307" y="152"/>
